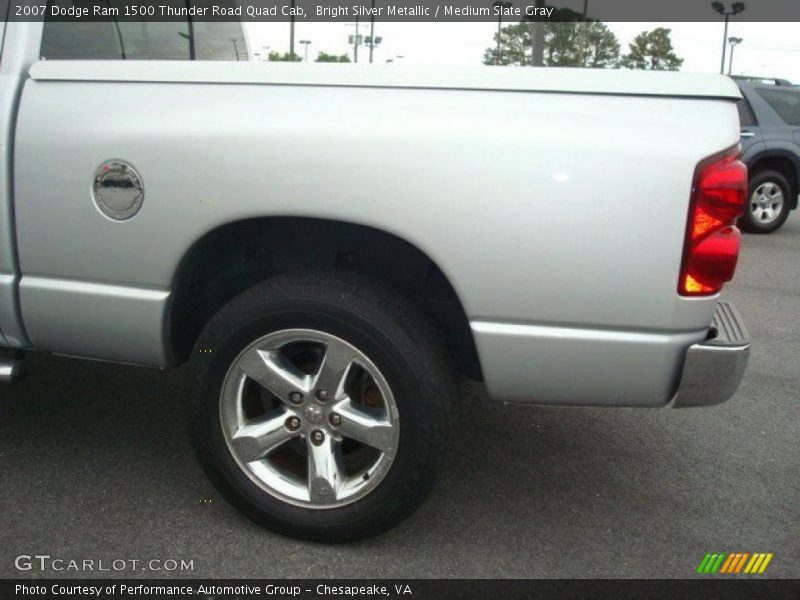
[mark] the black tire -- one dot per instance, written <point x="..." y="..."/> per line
<point x="392" y="333"/>
<point x="748" y="222"/>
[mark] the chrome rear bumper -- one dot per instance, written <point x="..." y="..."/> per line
<point x="11" y="368"/>
<point x="713" y="369"/>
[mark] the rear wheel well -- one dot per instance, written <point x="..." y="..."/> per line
<point x="237" y="256"/>
<point x="782" y="165"/>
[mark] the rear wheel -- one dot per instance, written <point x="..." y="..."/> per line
<point x="768" y="202"/>
<point x="321" y="405"/>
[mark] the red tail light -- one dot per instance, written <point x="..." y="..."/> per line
<point x="712" y="239"/>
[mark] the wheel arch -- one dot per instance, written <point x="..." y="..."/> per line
<point x="234" y="256"/>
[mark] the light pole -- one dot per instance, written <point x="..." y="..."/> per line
<point x="357" y="42"/>
<point x="372" y="31"/>
<point x="372" y="43"/>
<point x="735" y="9"/>
<point x="498" y="4"/>
<point x="291" y="32"/>
<point x="537" y="53"/>
<point x="305" y="49"/>
<point x="733" y="41"/>
<point x="582" y="33"/>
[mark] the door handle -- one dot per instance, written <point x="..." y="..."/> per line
<point x="747" y="134"/>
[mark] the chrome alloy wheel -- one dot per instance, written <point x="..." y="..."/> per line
<point x="766" y="203"/>
<point x="309" y="418"/>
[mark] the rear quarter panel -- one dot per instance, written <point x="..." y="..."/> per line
<point x="544" y="210"/>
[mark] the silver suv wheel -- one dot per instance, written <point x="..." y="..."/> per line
<point x="767" y="203"/>
<point x="309" y="418"/>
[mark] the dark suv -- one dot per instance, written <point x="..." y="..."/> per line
<point x="770" y="119"/>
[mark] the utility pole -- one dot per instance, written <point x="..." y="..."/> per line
<point x="582" y="34"/>
<point x="190" y="23"/>
<point x="501" y="6"/>
<point x="305" y="49"/>
<point x="372" y="43"/>
<point x="372" y="32"/>
<point x="733" y="41"/>
<point x="355" y="44"/>
<point x="724" y="37"/>
<point x="538" y="37"/>
<point x="735" y="9"/>
<point x="291" y="32"/>
<point x="356" y="39"/>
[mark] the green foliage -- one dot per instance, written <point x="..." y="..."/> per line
<point x="600" y="48"/>
<point x="324" y="57"/>
<point x="652" y="50"/>
<point x="278" y="57"/>
<point x="568" y="42"/>
<point x="514" y="39"/>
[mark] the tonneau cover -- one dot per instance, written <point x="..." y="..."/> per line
<point x="513" y="79"/>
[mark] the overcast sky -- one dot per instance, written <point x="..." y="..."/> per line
<point x="771" y="49"/>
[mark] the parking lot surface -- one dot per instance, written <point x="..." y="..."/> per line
<point x="95" y="464"/>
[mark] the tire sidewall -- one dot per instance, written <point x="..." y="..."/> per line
<point x="392" y="352"/>
<point x="749" y="223"/>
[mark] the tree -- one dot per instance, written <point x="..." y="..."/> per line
<point x="278" y="57"/>
<point x="568" y="42"/>
<point x="514" y="39"/>
<point x="652" y="50"/>
<point x="324" y="57"/>
<point x="601" y="48"/>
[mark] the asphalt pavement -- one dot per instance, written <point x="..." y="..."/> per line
<point x="95" y="464"/>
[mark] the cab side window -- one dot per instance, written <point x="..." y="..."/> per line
<point x="219" y="41"/>
<point x="115" y="41"/>
<point x="3" y="15"/>
<point x="125" y="40"/>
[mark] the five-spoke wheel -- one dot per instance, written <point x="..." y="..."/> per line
<point x="309" y="417"/>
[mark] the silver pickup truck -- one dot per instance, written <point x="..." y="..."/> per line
<point x="330" y="247"/>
